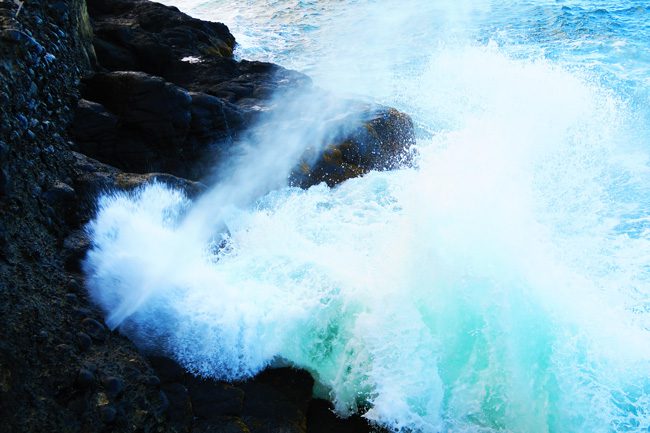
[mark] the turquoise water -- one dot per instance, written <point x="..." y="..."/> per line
<point x="501" y="286"/>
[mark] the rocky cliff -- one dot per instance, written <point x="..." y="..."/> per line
<point x="110" y="95"/>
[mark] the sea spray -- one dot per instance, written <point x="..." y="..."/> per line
<point x="500" y="286"/>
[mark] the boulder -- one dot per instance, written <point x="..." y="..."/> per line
<point x="74" y="250"/>
<point x="94" y="329"/>
<point x="62" y="198"/>
<point x="250" y="85"/>
<point x="94" y="127"/>
<point x="141" y="123"/>
<point x="138" y="35"/>
<point x="379" y="138"/>
<point x="176" y="101"/>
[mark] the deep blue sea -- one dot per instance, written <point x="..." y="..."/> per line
<point x="503" y="285"/>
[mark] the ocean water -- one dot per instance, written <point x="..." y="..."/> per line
<point x="502" y="285"/>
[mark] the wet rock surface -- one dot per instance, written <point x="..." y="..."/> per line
<point x="276" y="400"/>
<point x="381" y="139"/>
<point x="151" y="95"/>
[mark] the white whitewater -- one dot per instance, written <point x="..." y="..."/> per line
<point x="500" y="286"/>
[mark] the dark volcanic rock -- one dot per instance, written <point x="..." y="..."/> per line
<point x="92" y="178"/>
<point x="75" y="247"/>
<point x="212" y="400"/>
<point x="220" y="425"/>
<point x="177" y="102"/>
<point x="108" y="413"/>
<point x="167" y="369"/>
<point x="147" y="120"/>
<point x="277" y="400"/>
<point x="84" y="341"/>
<point x="60" y="195"/>
<point x="141" y="123"/>
<point x="95" y="329"/>
<point x="85" y="378"/>
<point x="180" y="406"/>
<point x="213" y="119"/>
<point x="139" y="35"/>
<point x="142" y="101"/>
<point x="114" y="386"/>
<point x="94" y="126"/>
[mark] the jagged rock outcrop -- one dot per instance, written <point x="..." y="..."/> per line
<point x="142" y="123"/>
<point x="146" y="36"/>
<point x="185" y="111"/>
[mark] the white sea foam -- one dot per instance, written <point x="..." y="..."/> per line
<point x="500" y="286"/>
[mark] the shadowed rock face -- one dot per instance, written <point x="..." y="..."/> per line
<point x="146" y="36"/>
<point x="143" y="123"/>
<point x="138" y="35"/>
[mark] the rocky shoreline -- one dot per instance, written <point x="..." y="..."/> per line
<point x="108" y="95"/>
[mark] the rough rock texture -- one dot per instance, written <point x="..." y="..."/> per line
<point x="146" y="36"/>
<point x="169" y="97"/>
<point x="91" y="178"/>
<point x="382" y="139"/>
<point x="60" y="368"/>
<point x="141" y="123"/>
<point x="143" y="112"/>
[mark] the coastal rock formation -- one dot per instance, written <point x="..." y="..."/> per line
<point x="184" y="111"/>
<point x="141" y="123"/>
<point x="151" y="95"/>
<point x="145" y="36"/>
